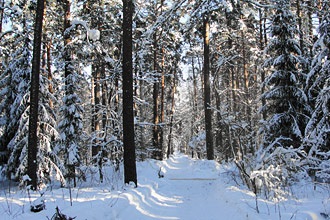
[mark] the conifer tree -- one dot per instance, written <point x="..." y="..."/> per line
<point x="285" y="99"/>
<point x="17" y="126"/>
<point x="70" y="127"/>
<point x="317" y="140"/>
<point x="15" y="84"/>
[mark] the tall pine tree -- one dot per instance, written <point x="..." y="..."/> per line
<point x="34" y="97"/>
<point x="128" y="116"/>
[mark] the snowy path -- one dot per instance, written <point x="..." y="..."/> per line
<point x="190" y="190"/>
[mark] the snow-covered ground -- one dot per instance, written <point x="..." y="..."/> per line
<point x="190" y="190"/>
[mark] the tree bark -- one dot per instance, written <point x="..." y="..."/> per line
<point x="49" y="73"/>
<point x="219" y="138"/>
<point x="157" y="152"/>
<point x="169" y="148"/>
<point x="104" y="99"/>
<point x="310" y="27"/>
<point x="1" y="14"/>
<point x="247" y="107"/>
<point x="67" y="40"/>
<point x="97" y="103"/>
<point x="162" y="102"/>
<point x="195" y="100"/>
<point x="262" y="47"/>
<point x="300" y="27"/>
<point x="128" y="114"/>
<point x="207" y="90"/>
<point x="34" y="97"/>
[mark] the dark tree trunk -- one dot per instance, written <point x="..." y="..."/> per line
<point x="104" y="99"/>
<point x="96" y="113"/>
<point x="219" y="138"/>
<point x="94" y="152"/>
<point x="246" y="76"/>
<point x="162" y="107"/>
<point x="128" y="114"/>
<point x="300" y="27"/>
<point x="310" y="27"/>
<point x="1" y="14"/>
<point x="49" y="72"/>
<point x="157" y="152"/>
<point x="207" y="91"/>
<point x="262" y="47"/>
<point x="67" y="41"/>
<point x="34" y="99"/>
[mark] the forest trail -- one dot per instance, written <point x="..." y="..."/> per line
<point x="190" y="189"/>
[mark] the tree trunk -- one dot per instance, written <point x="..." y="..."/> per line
<point x="157" y="152"/>
<point x="246" y="79"/>
<point x="207" y="90"/>
<point x="300" y="27"/>
<point x="128" y="114"/>
<point x="162" y="102"/>
<point x="67" y="39"/>
<point x="195" y="100"/>
<point x="262" y="47"/>
<point x="169" y="148"/>
<point x="34" y="99"/>
<point x="1" y="14"/>
<point x="310" y="27"/>
<point x="93" y="113"/>
<point x="49" y="72"/>
<point x="233" y="88"/>
<point x="97" y="102"/>
<point x="104" y="99"/>
<point x="219" y="138"/>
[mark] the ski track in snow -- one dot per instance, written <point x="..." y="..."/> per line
<point x="190" y="190"/>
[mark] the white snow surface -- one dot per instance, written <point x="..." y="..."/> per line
<point x="94" y="35"/>
<point x="190" y="190"/>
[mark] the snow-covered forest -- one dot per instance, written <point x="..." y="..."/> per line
<point x="91" y="88"/>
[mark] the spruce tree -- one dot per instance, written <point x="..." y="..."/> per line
<point x="284" y="126"/>
<point x="70" y="126"/>
<point x="317" y="141"/>
<point x="15" y="106"/>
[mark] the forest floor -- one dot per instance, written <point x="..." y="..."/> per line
<point x="190" y="190"/>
